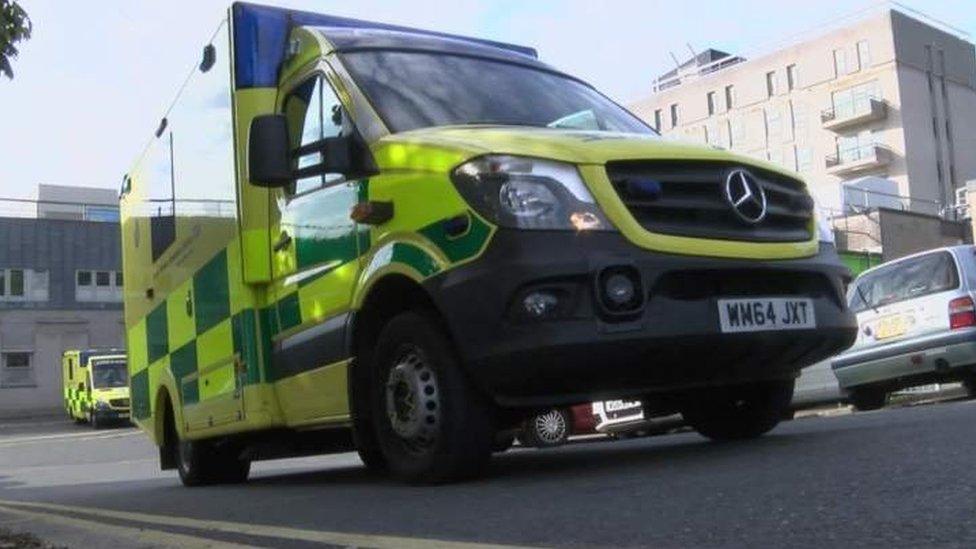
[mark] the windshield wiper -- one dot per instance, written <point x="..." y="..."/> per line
<point x="860" y="292"/>
<point x="499" y="122"/>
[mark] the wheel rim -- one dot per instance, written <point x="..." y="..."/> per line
<point x="550" y="427"/>
<point x="413" y="401"/>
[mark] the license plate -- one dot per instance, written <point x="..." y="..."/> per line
<point x="618" y="405"/>
<point x="765" y="314"/>
<point x="891" y="326"/>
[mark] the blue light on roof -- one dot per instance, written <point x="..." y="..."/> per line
<point x="261" y="39"/>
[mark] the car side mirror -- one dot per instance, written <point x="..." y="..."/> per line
<point x="268" y="158"/>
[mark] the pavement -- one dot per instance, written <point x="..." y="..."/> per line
<point x="896" y="477"/>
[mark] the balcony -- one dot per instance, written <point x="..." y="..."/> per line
<point x="859" y="112"/>
<point x="858" y="159"/>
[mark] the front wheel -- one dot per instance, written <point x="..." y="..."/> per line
<point x="868" y="398"/>
<point x="739" y="412"/>
<point x="548" y="429"/>
<point x="202" y="462"/>
<point x="430" y="423"/>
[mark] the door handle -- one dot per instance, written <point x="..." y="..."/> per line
<point x="284" y="240"/>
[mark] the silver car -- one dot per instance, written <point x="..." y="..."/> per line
<point x="917" y="325"/>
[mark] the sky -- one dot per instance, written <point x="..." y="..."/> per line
<point x="92" y="83"/>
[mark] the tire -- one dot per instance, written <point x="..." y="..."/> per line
<point x="503" y="442"/>
<point x="431" y="425"/>
<point x="201" y="463"/>
<point x="548" y="429"/>
<point x="868" y="398"/>
<point x="95" y="421"/>
<point x="739" y="412"/>
<point x="969" y="384"/>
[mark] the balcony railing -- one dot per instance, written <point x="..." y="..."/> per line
<point x="857" y="159"/>
<point x="860" y="111"/>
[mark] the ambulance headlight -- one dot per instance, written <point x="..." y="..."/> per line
<point x="528" y="193"/>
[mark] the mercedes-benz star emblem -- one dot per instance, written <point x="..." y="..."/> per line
<point x="746" y="196"/>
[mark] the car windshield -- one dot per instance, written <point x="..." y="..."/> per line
<point x="109" y="375"/>
<point x="904" y="280"/>
<point x="414" y="90"/>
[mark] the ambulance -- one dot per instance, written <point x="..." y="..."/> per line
<point x="96" y="386"/>
<point x="352" y="235"/>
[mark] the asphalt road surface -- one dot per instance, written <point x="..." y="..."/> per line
<point x="897" y="477"/>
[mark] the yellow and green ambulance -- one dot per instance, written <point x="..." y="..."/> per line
<point x="350" y="235"/>
<point x="95" y="386"/>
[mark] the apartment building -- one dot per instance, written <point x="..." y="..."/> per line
<point x="878" y="111"/>
<point x="60" y="288"/>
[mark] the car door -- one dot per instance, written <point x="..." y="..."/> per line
<point x="315" y="253"/>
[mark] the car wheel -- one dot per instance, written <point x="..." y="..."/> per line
<point x="95" y="421"/>
<point x="868" y="398"/>
<point x="969" y="384"/>
<point x="739" y="412"/>
<point x="548" y="429"/>
<point x="430" y="423"/>
<point x="503" y="442"/>
<point x="202" y="463"/>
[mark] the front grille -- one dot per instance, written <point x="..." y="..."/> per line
<point x="696" y="285"/>
<point x="119" y="402"/>
<point x="689" y="200"/>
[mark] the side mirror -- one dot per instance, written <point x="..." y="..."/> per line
<point x="269" y="162"/>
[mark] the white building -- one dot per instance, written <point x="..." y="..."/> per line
<point x="879" y="112"/>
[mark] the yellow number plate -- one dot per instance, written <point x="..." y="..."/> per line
<point x="892" y="326"/>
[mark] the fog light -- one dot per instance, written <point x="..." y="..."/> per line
<point x="620" y="290"/>
<point x="540" y="304"/>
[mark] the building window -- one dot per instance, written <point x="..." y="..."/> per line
<point x="657" y="119"/>
<point x="729" y="97"/>
<point x="16" y="369"/>
<point x="729" y="134"/>
<point x="771" y="84"/>
<point x="23" y="285"/>
<point x="791" y="77"/>
<point x="799" y="120"/>
<point x="863" y="54"/>
<point x="840" y="62"/>
<point x="710" y="99"/>
<point x="774" y="126"/>
<point x="804" y="159"/>
<point x="674" y="115"/>
<point x="98" y="286"/>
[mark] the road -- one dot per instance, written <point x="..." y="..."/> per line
<point x="902" y="477"/>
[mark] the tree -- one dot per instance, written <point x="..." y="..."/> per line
<point x="15" y="26"/>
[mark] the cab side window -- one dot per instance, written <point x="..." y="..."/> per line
<point x="314" y="113"/>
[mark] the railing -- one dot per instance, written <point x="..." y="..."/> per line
<point x="57" y="209"/>
<point x="109" y="213"/>
<point x="856" y="108"/>
<point x="854" y="154"/>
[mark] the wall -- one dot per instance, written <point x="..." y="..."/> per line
<point x="47" y="334"/>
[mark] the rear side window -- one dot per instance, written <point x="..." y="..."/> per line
<point x="916" y="277"/>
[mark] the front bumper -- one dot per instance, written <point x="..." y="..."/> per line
<point x="112" y="414"/>
<point x="673" y="343"/>
<point x="946" y="356"/>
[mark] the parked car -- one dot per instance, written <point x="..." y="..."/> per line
<point x="917" y="325"/>
<point x="616" y="418"/>
<point x="553" y="427"/>
<point x="627" y="418"/>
